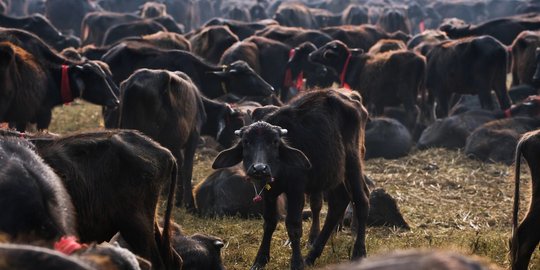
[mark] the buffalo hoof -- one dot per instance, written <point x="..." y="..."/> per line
<point x="297" y="265"/>
<point x="257" y="267"/>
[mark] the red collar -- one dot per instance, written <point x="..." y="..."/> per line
<point x="68" y="245"/>
<point x="298" y="83"/>
<point x="344" y="71"/>
<point x="422" y="26"/>
<point x="65" y="88"/>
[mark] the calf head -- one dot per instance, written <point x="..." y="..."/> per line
<point x="263" y="152"/>
<point x="333" y="54"/>
<point x="94" y="82"/>
<point x="316" y="74"/>
<point x="240" y="79"/>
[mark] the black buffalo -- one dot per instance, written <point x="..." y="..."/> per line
<point x="34" y="80"/>
<point x="297" y="167"/>
<point x="114" y="179"/>
<point x="36" y="207"/>
<point x="467" y="66"/>
<point x="167" y="107"/>
<point x="526" y="236"/>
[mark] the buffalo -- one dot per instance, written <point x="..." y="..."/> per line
<point x="467" y="66"/>
<point x="295" y="168"/>
<point x="526" y="237"/>
<point x="114" y="179"/>
<point x="36" y="208"/>
<point x="167" y="107"/>
<point x="31" y="100"/>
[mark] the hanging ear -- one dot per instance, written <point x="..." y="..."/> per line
<point x="229" y="157"/>
<point x="293" y="157"/>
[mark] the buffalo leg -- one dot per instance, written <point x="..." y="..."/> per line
<point x="179" y="155"/>
<point x="442" y="104"/>
<point x="270" y="222"/>
<point x="337" y="203"/>
<point x="499" y="86"/>
<point x="315" y="203"/>
<point x="485" y="99"/>
<point x="187" y="170"/>
<point x="527" y="233"/>
<point x="141" y="238"/>
<point x="360" y="198"/>
<point x="293" y="222"/>
<point x="43" y="120"/>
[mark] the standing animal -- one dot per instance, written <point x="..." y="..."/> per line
<point x="467" y="66"/>
<point x="387" y="79"/>
<point x="167" y="107"/>
<point x="526" y="236"/>
<point x="525" y="59"/>
<point x="30" y="99"/>
<point x="324" y="153"/>
<point x="213" y="81"/>
<point x="115" y="179"/>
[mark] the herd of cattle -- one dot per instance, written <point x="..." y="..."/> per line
<point x="284" y="87"/>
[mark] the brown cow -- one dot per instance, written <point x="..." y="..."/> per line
<point x="167" y="107"/>
<point x="31" y="99"/>
<point x="524" y="56"/>
<point x="467" y="66"/>
<point x="115" y="179"/>
<point x="526" y="236"/>
<point x="391" y="78"/>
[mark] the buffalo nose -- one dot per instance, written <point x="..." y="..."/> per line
<point x="260" y="168"/>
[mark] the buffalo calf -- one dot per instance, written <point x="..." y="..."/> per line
<point x="297" y="167"/>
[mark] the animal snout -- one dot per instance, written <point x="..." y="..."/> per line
<point x="259" y="169"/>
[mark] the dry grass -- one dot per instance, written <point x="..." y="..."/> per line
<point x="450" y="201"/>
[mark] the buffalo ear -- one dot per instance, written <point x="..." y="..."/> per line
<point x="293" y="157"/>
<point x="229" y="157"/>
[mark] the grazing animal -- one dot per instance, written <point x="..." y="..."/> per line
<point x="213" y="81"/>
<point x="525" y="237"/>
<point x="387" y="79"/>
<point x="334" y="165"/>
<point x="115" y="179"/>
<point x="30" y="99"/>
<point x="267" y="57"/>
<point x="36" y="207"/>
<point x="167" y="107"/>
<point x="467" y="66"/>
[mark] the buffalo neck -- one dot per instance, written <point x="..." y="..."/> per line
<point x="55" y="88"/>
<point x="354" y="67"/>
<point x="213" y="86"/>
<point x="213" y="111"/>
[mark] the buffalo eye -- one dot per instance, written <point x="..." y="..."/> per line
<point x="275" y="142"/>
<point x="246" y="142"/>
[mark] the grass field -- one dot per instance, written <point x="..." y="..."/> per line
<point x="450" y="202"/>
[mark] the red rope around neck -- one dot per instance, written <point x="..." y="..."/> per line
<point x="344" y="72"/>
<point x="65" y="88"/>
